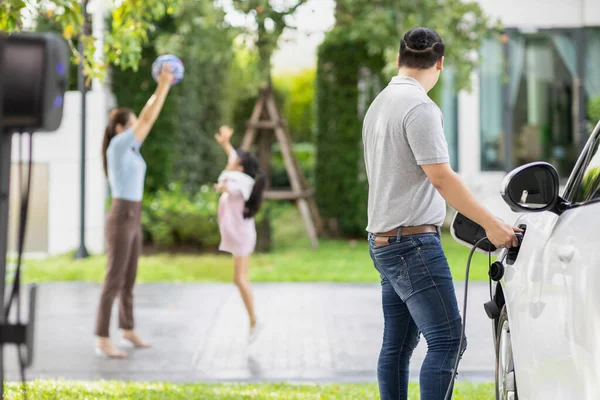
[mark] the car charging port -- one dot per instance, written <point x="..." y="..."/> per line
<point x="513" y="252"/>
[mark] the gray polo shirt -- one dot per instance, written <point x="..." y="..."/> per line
<point x="403" y="129"/>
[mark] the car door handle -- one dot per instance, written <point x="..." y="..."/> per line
<point x="566" y="253"/>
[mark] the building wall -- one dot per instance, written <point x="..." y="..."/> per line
<point x="485" y="185"/>
<point x="544" y="13"/>
<point x="60" y="153"/>
<point x="527" y="15"/>
<point x="591" y="12"/>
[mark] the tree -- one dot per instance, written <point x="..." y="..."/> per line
<point x="130" y="23"/>
<point x="133" y="88"/>
<point x="182" y="148"/>
<point x="356" y="59"/>
<point x="271" y="18"/>
<point x="298" y="90"/>
<point x="381" y="23"/>
<point x="205" y="47"/>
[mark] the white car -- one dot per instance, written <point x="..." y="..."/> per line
<point x="548" y="329"/>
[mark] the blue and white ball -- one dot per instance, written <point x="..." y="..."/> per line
<point x="175" y="63"/>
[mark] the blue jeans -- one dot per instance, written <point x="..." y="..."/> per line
<point x="417" y="296"/>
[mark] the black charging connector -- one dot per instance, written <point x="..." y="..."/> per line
<point x="496" y="272"/>
<point x="513" y="252"/>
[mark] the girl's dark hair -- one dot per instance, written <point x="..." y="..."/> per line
<point x="252" y="169"/>
<point x="421" y="48"/>
<point x="117" y="116"/>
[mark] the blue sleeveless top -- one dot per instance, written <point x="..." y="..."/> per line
<point x="126" y="167"/>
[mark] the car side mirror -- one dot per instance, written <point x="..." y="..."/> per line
<point x="532" y="188"/>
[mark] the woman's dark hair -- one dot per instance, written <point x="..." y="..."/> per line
<point x="421" y="48"/>
<point x="252" y="169"/>
<point x="117" y="116"/>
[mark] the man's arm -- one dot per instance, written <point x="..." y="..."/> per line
<point x="425" y="135"/>
<point x="457" y="194"/>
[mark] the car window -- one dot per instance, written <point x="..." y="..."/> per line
<point x="588" y="188"/>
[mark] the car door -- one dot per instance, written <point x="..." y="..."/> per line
<point x="553" y="292"/>
<point x="573" y="257"/>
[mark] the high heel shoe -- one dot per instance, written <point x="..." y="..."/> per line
<point x="102" y="353"/>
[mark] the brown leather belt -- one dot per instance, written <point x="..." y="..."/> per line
<point x="383" y="238"/>
<point x="409" y="230"/>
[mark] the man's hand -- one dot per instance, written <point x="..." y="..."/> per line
<point x="502" y="234"/>
<point x="456" y="193"/>
<point x="224" y="135"/>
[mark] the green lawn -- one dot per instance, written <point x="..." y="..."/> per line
<point x="55" y="390"/>
<point x="293" y="260"/>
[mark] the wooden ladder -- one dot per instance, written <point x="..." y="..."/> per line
<point x="265" y="121"/>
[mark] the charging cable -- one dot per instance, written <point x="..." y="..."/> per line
<point x="15" y="293"/>
<point x="464" y="320"/>
<point x="464" y="315"/>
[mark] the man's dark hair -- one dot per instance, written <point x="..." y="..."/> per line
<point x="421" y="48"/>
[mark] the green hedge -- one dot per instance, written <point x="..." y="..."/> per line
<point x="174" y="217"/>
<point x="340" y="179"/>
<point x="305" y="152"/>
<point x="181" y="146"/>
<point x="133" y="89"/>
<point x="298" y="104"/>
<point x="204" y="44"/>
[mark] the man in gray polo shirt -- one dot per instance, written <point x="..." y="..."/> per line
<point x="407" y="162"/>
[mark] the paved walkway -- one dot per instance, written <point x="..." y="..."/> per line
<point x="314" y="332"/>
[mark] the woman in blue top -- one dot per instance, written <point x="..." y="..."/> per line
<point x="125" y="169"/>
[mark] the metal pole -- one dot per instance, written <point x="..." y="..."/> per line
<point x="583" y="134"/>
<point x="82" y="251"/>
<point x="508" y="106"/>
<point x="5" y="161"/>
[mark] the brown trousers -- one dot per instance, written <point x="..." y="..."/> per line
<point x="123" y="234"/>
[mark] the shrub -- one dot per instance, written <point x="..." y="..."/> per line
<point x="305" y="152"/>
<point x="340" y="176"/>
<point x="132" y="89"/>
<point x="298" y="103"/>
<point x="181" y="147"/>
<point x="205" y="47"/>
<point x="173" y="217"/>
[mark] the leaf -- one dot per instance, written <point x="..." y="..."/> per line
<point x="68" y="32"/>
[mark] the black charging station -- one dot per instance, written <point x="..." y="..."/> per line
<point x="33" y="80"/>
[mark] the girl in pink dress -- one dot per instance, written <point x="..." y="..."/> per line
<point x="241" y="185"/>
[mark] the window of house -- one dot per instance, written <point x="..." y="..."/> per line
<point x="491" y="72"/>
<point x="449" y="107"/>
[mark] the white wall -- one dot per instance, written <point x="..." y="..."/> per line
<point x="469" y="159"/>
<point x="61" y="151"/>
<point x="591" y="12"/>
<point x="544" y="13"/>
